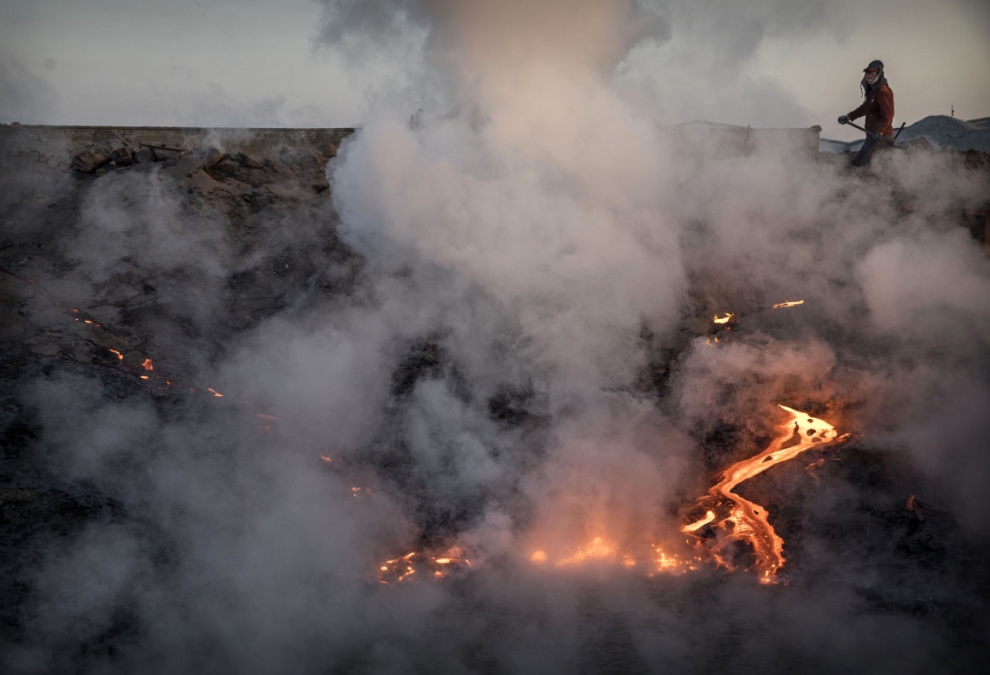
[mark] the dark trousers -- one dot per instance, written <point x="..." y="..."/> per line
<point x="871" y="146"/>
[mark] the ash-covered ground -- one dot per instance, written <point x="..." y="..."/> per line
<point x="501" y="358"/>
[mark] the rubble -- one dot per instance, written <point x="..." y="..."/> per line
<point x="238" y="181"/>
<point x="144" y="155"/>
<point x="944" y="132"/>
<point x="933" y="133"/>
<point x="91" y="159"/>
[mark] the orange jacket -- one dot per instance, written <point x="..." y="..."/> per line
<point x="879" y="110"/>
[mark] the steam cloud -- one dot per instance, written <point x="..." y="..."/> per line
<point x="531" y="221"/>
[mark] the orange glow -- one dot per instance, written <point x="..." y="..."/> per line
<point x="216" y="394"/>
<point x="913" y="505"/>
<point x="790" y="303"/>
<point x="402" y="568"/>
<point x="596" y="550"/>
<point x="817" y="464"/>
<point x="745" y="521"/>
<point x="451" y="559"/>
<point x="120" y="357"/>
<point x="731" y="530"/>
<point x="144" y="377"/>
<point x="326" y="459"/>
<point x="671" y="564"/>
<point x="694" y="527"/>
<point x="601" y="551"/>
<point x="663" y="561"/>
<point x="723" y="319"/>
<point x="147" y="365"/>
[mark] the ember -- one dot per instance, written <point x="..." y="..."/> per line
<point x="404" y="567"/>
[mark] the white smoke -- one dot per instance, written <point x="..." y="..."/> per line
<point x="533" y="238"/>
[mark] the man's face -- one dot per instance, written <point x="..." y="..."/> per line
<point x="871" y="76"/>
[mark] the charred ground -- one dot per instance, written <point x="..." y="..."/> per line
<point x="87" y="316"/>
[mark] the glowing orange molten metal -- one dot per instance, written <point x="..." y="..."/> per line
<point x="730" y="517"/>
<point x="791" y="303"/>
<point x="400" y="569"/>
<point x="723" y="319"/>
<point x="596" y="550"/>
<point x="746" y="521"/>
<point x="601" y="551"/>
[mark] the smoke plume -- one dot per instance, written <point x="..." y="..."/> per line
<point x="518" y="365"/>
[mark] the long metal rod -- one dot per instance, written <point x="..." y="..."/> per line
<point x="877" y="136"/>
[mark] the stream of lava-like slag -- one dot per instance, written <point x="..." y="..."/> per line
<point x="731" y="517"/>
<point x="746" y="521"/>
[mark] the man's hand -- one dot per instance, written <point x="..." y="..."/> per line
<point x="843" y="119"/>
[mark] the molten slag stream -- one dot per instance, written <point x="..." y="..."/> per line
<point x="748" y="521"/>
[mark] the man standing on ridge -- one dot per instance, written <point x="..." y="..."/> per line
<point x="879" y="110"/>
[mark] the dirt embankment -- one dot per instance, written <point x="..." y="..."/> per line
<point x="133" y="256"/>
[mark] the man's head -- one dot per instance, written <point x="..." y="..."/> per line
<point x="873" y="71"/>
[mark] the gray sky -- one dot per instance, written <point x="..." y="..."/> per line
<point x="250" y="62"/>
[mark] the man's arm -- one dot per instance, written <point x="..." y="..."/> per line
<point x="860" y="111"/>
<point x="885" y="102"/>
